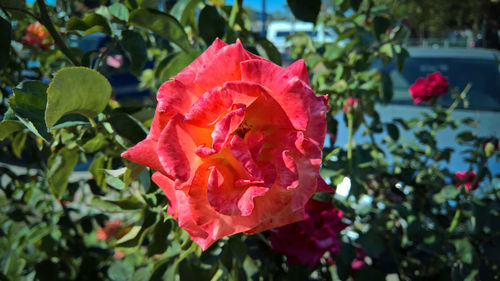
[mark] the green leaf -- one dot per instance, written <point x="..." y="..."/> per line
<point x="17" y="4"/>
<point x="393" y="131"/>
<point x="76" y="90"/>
<point x="211" y="24"/>
<point x="28" y="103"/>
<point x="465" y="137"/>
<point x="119" y="11"/>
<point x="136" y="50"/>
<point x="75" y="23"/>
<point x="160" y="233"/>
<point x="128" y="203"/>
<point x="271" y="51"/>
<point x="95" y="143"/>
<point x="91" y="23"/>
<point x="119" y="271"/>
<point x="177" y="63"/>
<point x="305" y="10"/>
<point x="449" y="192"/>
<point x="61" y="164"/>
<point x="333" y="51"/>
<point x="18" y="144"/>
<point x="97" y="169"/>
<point x="380" y="25"/>
<point x="5" y="37"/>
<point x="163" y="24"/>
<point x="8" y="127"/>
<point x="136" y="235"/>
<point x="464" y="250"/>
<point x="95" y="20"/>
<point x="116" y="183"/>
<point x="184" y="10"/>
<point x="372" y="243"/>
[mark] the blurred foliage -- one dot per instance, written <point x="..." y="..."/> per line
<point x="58" y="117"/>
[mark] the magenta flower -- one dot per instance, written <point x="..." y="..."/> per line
<point x="305" y="242"/>
<point x="466" y="178"/>
<point x="434" y="85"/>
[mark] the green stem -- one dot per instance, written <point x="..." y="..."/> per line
<point x="350" y="126"/>
<point x="234" y="12"/>
<point x="461" y="97"/>
<point x="47" y="22"/>
<point x="454" y="222"/>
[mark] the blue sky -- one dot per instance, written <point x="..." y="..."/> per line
<point x="271" y="5"/>
<point x="50" y="2"/>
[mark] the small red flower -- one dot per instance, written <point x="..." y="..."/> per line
<point x="305" y="242"/>
<point x="434" y="85"/>
<point x="37" y="35"/>
<point x="118" y="254"/>
<point x="109" y="230"/>
<point x="352" y="103"/>
<point x="466" y="178"/>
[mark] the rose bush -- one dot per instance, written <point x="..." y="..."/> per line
<point x="434" y="85"/>
<point x="236" y="142"/>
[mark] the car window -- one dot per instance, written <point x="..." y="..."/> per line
<point x="483" y="74"/>
<point x="282" y="33"/>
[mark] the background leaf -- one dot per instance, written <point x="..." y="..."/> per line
<point x="76" y="90"/>
<point x="305" y="10"/>
<point x="163" y="24"/>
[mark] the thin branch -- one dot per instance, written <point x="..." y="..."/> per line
<point x="47" y="22"/>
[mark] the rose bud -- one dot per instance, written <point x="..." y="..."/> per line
<point x="352" y="104"/>
<point x="236" y="143"/>
<point x="490" y="147"/>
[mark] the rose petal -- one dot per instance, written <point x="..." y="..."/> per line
<point x="145" y="154"/>
<point x="255" y="141"/>
<point x="216" y="224"/>
<point x="241" y="152"/>
<point x="221" y="133"/>
<point x="223" y="66"/>
<point x="228" y="199"/>
<point x="179" y="208"/>
<point x="188" y="74"/>
<point x="296" y="98"/>
<point x="244" y="92"/>
<point x="176" y="149"/>
<point x="209" y="107"/>
<point x="174" y="97"/>
<point x="299" y="69"/>
<point x="323" y="186"/>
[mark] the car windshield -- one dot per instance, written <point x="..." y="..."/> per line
<point x="483" y="75"/>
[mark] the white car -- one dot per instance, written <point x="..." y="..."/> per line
<point x="277" y="32"/>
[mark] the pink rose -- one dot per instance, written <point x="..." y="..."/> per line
<point x="236" y="142"/>
<point x="467" y="178"/>
<point x="438" y="83"/>
<point x="434" y="85"/>
<point x="305" y="242"/>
